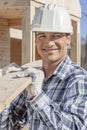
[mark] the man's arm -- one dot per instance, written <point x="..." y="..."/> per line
<point x="71" y="114"/>
<point x="15" y="115"/>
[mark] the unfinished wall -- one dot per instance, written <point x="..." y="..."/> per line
<point x="4" y="43"/>
<point x="19" y="14"/>
<point x="15" y="50"/>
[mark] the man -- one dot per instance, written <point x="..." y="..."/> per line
<point x="61" y="104"/>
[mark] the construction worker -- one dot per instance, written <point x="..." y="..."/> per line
<point x="61" y="102"/>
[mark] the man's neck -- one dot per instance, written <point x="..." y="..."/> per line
<point x="50" y="67"/>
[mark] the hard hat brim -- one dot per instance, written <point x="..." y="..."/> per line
<point x="37" y="29"/>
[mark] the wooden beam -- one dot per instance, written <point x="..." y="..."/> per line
<point x="11" y="3"/>
<point x="15" y="33"/>
<point x="10" y="87"/>
<point x="11" y="13"/>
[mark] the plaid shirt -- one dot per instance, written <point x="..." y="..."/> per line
<point x="62" y="104"/>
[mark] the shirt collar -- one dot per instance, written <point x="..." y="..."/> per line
<point x="63" y="69"/>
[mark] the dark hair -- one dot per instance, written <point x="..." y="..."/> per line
<point x="67" y="34"/>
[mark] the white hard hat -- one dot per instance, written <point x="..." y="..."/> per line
<point x="52" y="18"/>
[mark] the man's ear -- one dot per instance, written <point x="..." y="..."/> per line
<point x="68" y="39"/>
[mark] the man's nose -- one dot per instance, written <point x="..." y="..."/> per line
<point x="50" y="42"/>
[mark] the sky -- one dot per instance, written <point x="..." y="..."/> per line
<point x="83" y="33"/>
<point x="83" y="18"/>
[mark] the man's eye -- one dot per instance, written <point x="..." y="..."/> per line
<point x="41" y="37"/>
<point x="58" y="36"/>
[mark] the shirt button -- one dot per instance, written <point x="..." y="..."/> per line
<point x="36" y="105"/>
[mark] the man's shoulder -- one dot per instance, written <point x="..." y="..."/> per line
<point x="76" y="71"/>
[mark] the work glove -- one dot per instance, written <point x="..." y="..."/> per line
<point x="37" y="79"/>
<point x="12" y="67"/>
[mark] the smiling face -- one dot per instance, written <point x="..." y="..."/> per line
<point x="52" y="47"/>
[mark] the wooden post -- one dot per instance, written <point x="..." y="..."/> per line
<point x="26" y="40"/>
<point x="75" y="53"/>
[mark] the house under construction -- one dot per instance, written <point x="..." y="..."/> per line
<point x="17" y="42"/>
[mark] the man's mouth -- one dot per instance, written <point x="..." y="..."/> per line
<point x="50" y="50"/>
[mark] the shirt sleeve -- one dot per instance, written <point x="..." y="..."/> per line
<point x="15" y="115"/>
<point x="71" y="114"/>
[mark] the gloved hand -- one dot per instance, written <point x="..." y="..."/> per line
<point x="12" y="67"/>
<point x="37" y="79"/>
